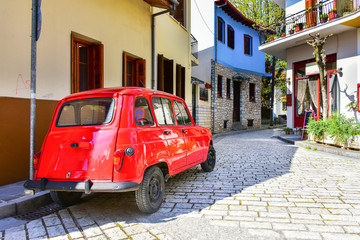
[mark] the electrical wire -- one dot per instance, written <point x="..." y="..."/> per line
<point x="203" y="18"/>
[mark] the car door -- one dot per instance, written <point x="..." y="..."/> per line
<point x="193" y="135"/>
<point x="176" y="142"/>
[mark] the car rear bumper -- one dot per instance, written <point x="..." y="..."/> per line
<point x="86" y="186"/>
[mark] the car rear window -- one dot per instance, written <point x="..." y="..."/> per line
<point x="92" y="111"/>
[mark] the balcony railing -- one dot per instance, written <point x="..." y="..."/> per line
<point x="321" y="13"/>
<point x="194" y="46"/>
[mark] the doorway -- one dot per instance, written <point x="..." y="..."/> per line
<point x="236" y="108"/>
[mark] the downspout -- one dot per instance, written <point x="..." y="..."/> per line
<point x="175" y="3"/>
<point x="215" y="59"/>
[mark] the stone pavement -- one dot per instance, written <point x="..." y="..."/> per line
<point x="261" y="188"/>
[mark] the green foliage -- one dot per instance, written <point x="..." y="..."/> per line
<point x="338" y="127"/>
<point x="264" y="12"/>
<point x="341" y="128"/>
<point x="324" y="15"/>
<point x="287" y="129"/>
<point x="352" y="106"/>
<point x="317" y="128"/>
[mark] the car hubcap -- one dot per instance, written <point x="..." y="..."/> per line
<point x="155" y="189"/>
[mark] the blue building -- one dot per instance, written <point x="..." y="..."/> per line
<point x="229" y="59"/>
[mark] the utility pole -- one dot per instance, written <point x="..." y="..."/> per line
<point x="35" y="33"/>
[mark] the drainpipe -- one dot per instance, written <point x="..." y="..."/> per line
<point x="215" y="59"/>
<point x="175" y="3"/>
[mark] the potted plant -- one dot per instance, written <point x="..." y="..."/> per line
<point x="207" y="85"/>
<point x="298" y="27"/>
<point x="287" y="130"/>
<point x="332" y="14"/>
<point x="271" y="38"/>
<point x="291" y="31"/>
<point x="323" y="17"/>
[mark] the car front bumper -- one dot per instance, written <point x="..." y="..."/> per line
<point x="86" y="186"/>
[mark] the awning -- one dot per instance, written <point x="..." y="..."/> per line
<point x="240" y="77"/>
<point x="197" y="81"/>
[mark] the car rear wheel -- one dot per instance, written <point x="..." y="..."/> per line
<point x="150" y="194"/>
<point x="65" y="199"/>
<point x="209" y="164"/>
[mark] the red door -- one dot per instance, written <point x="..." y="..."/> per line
<point x="174" y="136"/>
<point x="193" y="135"/>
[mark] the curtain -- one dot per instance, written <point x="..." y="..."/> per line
<point x="300" y="95"/>
<point x="313" y="89"/>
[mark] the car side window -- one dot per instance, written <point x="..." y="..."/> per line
<point x="181" y="113"/>
<point x="142" y="111"/>
<point x="163" y="111"/>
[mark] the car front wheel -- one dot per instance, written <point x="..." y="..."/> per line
<point x="150" y="194"/>
<point x="209" y="164"/>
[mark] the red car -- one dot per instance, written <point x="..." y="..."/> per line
<point x="116" y="140"/>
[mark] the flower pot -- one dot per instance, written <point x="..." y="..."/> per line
<point x="323" y="20"/>
<point x="298" y="28"/>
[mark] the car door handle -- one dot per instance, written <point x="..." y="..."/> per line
<point x="167" y="132"/>
<point x="184" y="131"/>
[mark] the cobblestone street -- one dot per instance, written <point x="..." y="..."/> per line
<point x="261" y="188"/>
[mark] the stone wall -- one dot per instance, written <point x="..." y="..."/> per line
<point x="250" y="111"/>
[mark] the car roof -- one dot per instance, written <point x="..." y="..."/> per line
<point x="119" y="91"/>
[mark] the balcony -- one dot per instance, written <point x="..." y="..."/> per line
<point x="332" y="16"/>
<point x="194" y="51"/>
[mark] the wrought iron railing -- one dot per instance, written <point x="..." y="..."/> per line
<point x="321" y="13"/>
<point x="194" y="46"/>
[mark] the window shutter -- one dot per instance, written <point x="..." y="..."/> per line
<point x="99" y="66"/>
<point x="178" y="80"/>
<point x="140" y="72"/>
<point x="124" y="69"/>
<point x="160" y="72"/>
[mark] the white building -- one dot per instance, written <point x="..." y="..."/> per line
<point x="342" y="51"/>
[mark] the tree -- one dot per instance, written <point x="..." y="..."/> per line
<point x="318" y="43"/>
<point x="263" y="12"/>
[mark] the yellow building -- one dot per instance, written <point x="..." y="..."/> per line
<point x="84" y="44"/>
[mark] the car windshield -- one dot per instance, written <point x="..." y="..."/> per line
<point x="92" y="111"/>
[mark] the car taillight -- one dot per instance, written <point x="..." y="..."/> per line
<point x="36" y="160"/>
<point x="118" y="159"/>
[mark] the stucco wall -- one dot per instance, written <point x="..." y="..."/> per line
<point x="119" y="25"/>
<point x="236" y="57"/>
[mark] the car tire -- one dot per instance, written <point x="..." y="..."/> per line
<point x="65" y="199"/>
<point x="209" y="164"/>
<point x="150" y="194"/>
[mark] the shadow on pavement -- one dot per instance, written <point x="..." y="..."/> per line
<point x="244" y="162"/>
